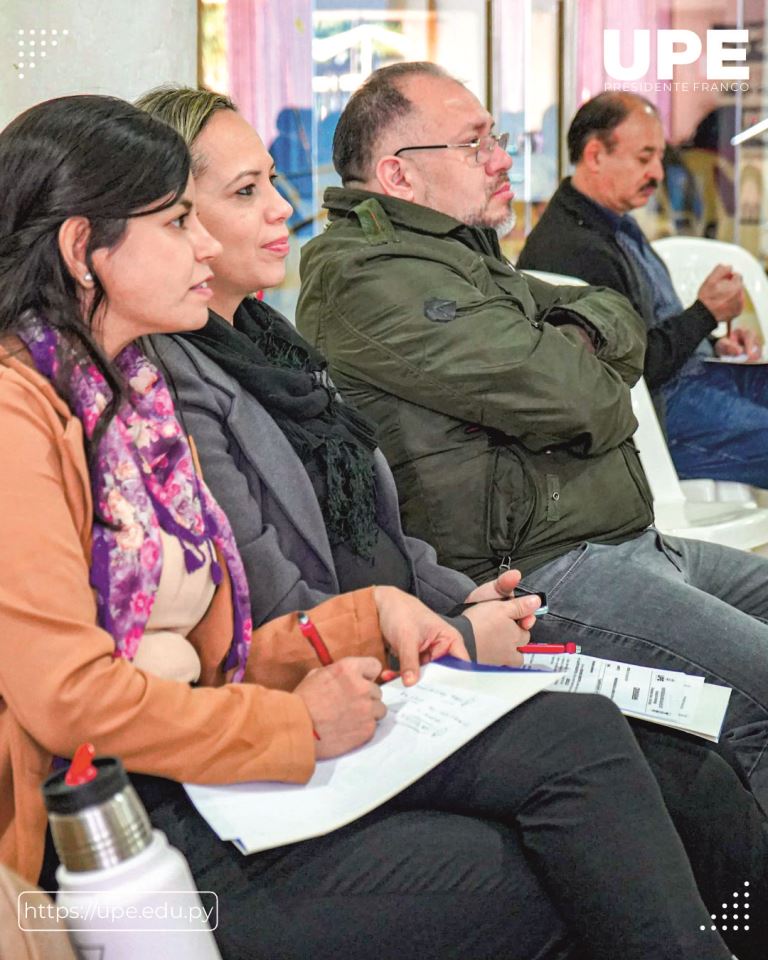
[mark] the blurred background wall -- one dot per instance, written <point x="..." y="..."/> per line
<point x="291" y="65"/>
<point x="49" y="48"/>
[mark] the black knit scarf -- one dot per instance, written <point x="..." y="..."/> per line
<point x="288" y="377"/>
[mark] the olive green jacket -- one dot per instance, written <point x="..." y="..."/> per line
<point x="506" y="435"/>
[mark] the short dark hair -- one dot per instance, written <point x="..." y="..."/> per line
<point x="82" y="156"/>
<point x="599" y="117"/>
<point x="371" y="109"/>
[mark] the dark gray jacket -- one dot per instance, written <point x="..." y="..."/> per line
<point x="261" y="484"/>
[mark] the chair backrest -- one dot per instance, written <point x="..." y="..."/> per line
<point x="556" y="279"/>
<point x="654" y="453"/>
<point x="690" y="259"/>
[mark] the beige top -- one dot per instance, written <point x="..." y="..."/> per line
<point x="181" y="602"/>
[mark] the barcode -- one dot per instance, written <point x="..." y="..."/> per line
<point x="635" y="693"/>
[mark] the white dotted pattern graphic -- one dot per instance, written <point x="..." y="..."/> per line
<point x="33" y="43"/>
<point x="735" y="916"/>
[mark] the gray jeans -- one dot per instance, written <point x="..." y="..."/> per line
<point x="676" y="604"/>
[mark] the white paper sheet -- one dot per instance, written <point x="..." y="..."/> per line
<point x="668" y="697"/>
<point x="424" y="725"/>
<point x="738" y="358"/>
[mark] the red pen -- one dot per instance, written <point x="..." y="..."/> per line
<point x="312" y="634"/>
<point x="569" y="647"/>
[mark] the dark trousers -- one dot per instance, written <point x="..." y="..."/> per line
<point x="546" y="838"/>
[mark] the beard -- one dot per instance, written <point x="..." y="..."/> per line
<point x="502" y="223"/>
<point x="508" y="224"/>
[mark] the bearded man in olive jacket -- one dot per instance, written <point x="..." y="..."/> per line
<point x="503" y="403"/>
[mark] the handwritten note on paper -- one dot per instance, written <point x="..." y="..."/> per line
<point x="432" y="711"/>
<point x="424" y="725"/>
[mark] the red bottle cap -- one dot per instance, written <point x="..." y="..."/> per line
<point x="81" y="770"/>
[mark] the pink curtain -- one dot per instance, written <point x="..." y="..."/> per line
<point x="270" y="58"/>
<point x="595" y="16"/>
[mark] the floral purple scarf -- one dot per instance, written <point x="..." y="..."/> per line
<point x="145" y="481"/>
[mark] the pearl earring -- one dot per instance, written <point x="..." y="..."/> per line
<point x="88" y="277"/>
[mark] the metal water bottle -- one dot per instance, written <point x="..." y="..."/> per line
<point x="124" y="892"/>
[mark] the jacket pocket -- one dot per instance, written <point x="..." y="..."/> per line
<point x="511" y="501"/>
<point x="502" y="301"/>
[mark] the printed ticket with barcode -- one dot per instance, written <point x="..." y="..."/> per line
<point x="642" y="691"/>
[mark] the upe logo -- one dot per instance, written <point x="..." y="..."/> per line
<point x="675" y="47"/>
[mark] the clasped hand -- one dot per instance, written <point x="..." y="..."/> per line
<point x="501" y="621"/>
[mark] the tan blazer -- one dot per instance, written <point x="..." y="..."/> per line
<point x="59" y="684"/>
<point x="49" y="943"/>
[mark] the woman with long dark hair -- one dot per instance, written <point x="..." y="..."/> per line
<point x="122" y="584"/>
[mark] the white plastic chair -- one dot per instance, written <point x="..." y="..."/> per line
<point x="556" y="279"/>
<point x="690" y="259"/>
<point x="733" y="524"/>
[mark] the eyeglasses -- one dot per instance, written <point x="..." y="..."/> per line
<point x="483" y="147"/>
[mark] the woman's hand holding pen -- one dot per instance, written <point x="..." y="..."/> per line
<point x="344" y="703"/>
<point x="414" y="633"/>
<point x="342" y="698"/>
<point x="498" y="633"/>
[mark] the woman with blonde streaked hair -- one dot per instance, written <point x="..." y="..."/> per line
<point x="319" y="510"/>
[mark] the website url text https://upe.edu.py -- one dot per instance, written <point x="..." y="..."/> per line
<point x="165" y="911"/>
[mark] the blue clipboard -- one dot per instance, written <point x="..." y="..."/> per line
<point x="455" y="664"/>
